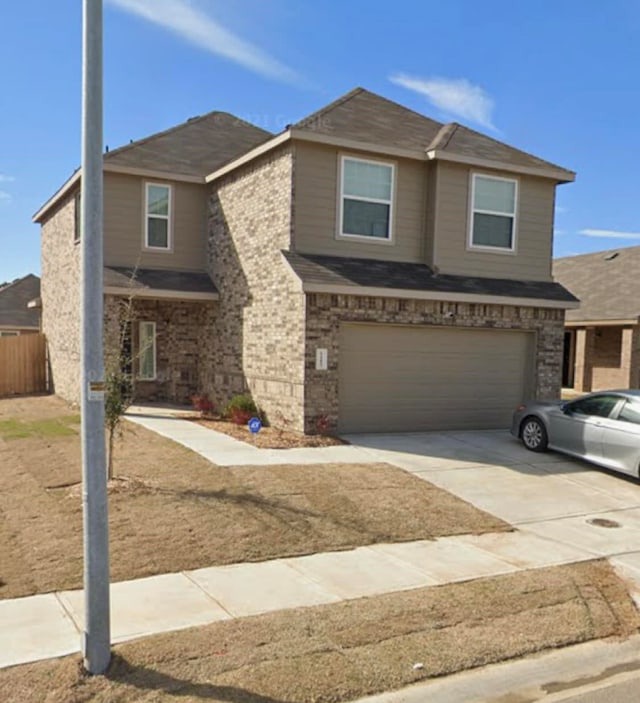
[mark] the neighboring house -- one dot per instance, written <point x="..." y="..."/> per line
<point x="368" y="268"/>
<point x="17" y="316"/>
<point x="602" y="336"/>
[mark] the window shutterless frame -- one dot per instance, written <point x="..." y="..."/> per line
<point x="147" y="351"/>
<point x="340" y="233"/>
<point x="496" y="213"/>
<point x="158" y="216"/>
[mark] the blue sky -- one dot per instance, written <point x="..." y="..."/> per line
<point x="559" y="79"/>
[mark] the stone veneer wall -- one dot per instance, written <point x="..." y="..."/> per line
<point x="325" y="312"/>
<point x="260" y="323"/>
<point x="60" y="293"/>
<point x="183" y="330"/>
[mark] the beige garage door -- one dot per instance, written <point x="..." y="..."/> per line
<point x="395" y="378"/>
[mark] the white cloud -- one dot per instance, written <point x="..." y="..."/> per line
<point x="5" y="197"/>
<point x="559" y="232"/>
<point x="609" y="234"/>
<point x="193" y="25"/>
<point x="561" y="210"/>
<point x="6" y="179"/>
<point x="456" y="96"/>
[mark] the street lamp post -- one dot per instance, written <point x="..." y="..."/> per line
<point x="96" y="637"/>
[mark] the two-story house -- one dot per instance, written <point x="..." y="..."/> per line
<point x="368" y="268"/>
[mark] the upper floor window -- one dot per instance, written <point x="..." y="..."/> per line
<point x="366" y="200"/>
<point x="493" y="217"/>
<point x="77" y="222"/>
<point x="158" y="216"/>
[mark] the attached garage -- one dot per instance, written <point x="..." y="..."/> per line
<point x="401" y="378"/>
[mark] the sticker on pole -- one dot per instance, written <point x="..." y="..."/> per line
<point x="96" y="390"/>
<point x="254" y="424"/>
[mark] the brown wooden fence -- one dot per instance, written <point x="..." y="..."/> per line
<point x="23" y="364"/>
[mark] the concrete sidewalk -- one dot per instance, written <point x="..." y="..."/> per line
<point x="49" y="625"/>
<point x="224" y="450"/>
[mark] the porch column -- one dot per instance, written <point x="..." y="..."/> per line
<point x="630" y="356"/>
<point x="585" y="342"/>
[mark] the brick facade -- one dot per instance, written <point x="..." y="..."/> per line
<point x="325" y="312"/>
<point x="183" y="331"/>
<point x="260" y="338"/>
<point x="60" y="293"/>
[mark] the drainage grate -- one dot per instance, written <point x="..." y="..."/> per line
<point x="603" y="522"/>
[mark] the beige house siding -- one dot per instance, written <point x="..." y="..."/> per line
<point x="124" y="224"/>
<point x="316" y="207"/>
<point x="326" y="313"/>
<point x="260" y="323"/>
<point x="532" y="258"/>
<point x="60" y="293"/>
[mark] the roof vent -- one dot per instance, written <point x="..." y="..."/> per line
<point x="613" y="255"/>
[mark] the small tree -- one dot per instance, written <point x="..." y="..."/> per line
<point x="118" y="393"/>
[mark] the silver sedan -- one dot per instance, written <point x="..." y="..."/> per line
<point x="603" y="428"/>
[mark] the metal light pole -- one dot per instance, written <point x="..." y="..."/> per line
<point x="96" y="636"/>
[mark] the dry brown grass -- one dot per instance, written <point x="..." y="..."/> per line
<point x="172" y="510"/>
<point x="341" y="652"/>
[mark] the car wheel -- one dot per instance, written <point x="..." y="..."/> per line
<point x="534" y="434"/>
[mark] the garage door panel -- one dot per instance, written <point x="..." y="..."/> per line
<point x="395" y="378"/>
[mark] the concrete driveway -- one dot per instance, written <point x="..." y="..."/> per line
<point x="568" y="501"/>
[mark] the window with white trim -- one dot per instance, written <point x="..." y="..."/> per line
<point x="493" y="216"/>
<point x="157" y="216"/>
<point x="366" y="198"/>
<point x="147" y="351"/>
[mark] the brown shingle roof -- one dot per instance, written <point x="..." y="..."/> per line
<point x="369" y="273"/>
<point x="367" y="117"/>
<point x="467" y="142"/>
<point x="606" y="282"/>
<point x="14" y="298"/>
<point x="194" y="148"/>
<point x="138" y="280"/>
<point x="363" y="116"/>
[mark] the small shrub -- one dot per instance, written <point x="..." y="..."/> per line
<point x="242" y="401"/>
<point x="241" y="408"/>
<point x="322" y="424"/>
<point x="239" y="416"/>
<point x="202" y="403"/>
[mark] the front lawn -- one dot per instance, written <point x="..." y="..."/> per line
<point x="172" y="510"/>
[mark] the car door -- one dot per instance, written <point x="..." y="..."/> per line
<point x="621" y="438"/>
<point x="578" y="428"/>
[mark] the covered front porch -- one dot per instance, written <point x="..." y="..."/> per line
<point x="602" y="354"/>
<point x="157" y="323"/>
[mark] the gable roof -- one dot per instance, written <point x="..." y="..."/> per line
<point x="362" y="119"/>
<point x="607" y="283"/>
<point x="192" y="148"/>
<point x="403" y="279"/>
<point x="366" y="117"/>
<point x="14" y="298"/>
<point x="189" y="151"/>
